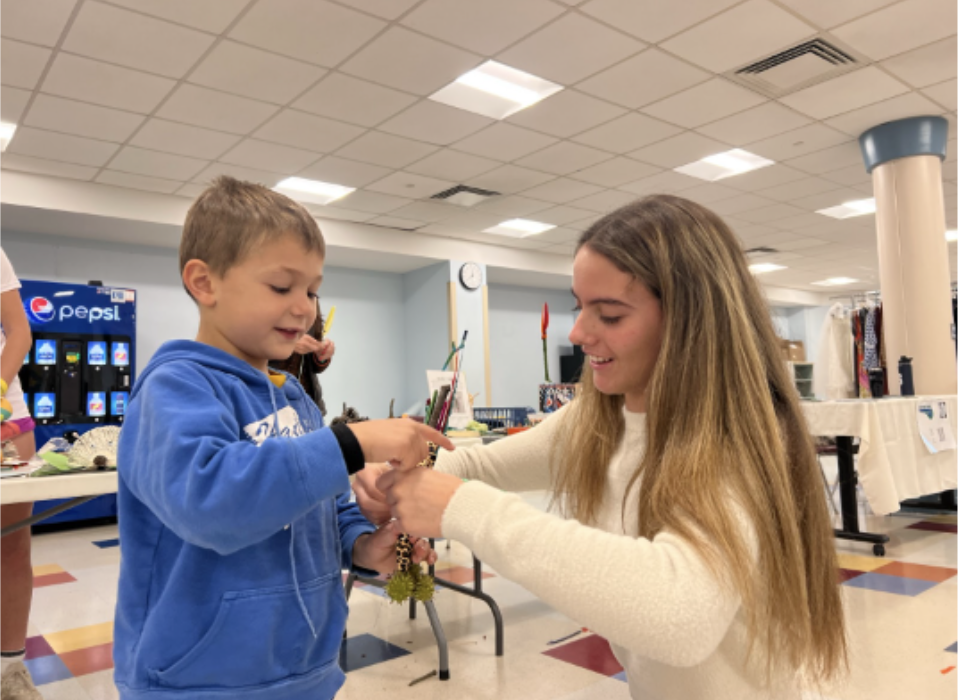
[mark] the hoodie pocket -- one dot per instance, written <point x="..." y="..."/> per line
<point x="260" y="637"/>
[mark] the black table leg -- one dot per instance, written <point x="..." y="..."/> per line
<point x="848" y="499"/>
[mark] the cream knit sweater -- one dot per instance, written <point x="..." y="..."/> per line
<point x="678" y="634"/>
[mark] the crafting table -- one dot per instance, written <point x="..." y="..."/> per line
<point x="79" y="488"/>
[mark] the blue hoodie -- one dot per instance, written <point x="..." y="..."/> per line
<point x="232" y="538"/>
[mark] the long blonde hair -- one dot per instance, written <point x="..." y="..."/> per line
<point x="725" y="431"/>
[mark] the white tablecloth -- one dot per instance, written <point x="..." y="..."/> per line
<point x="27" y="489"/>
<point x="893" y="464"/>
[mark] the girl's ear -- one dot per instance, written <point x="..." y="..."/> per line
<point x="201" y="282"/>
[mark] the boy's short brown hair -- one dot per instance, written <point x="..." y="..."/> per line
<point x="230" y="218"/>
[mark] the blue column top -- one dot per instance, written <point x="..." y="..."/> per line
<point x="915" y="136"/>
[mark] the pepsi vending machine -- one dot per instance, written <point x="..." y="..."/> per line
<point x="79" y="372"/>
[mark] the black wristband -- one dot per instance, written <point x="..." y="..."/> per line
<point x="350" y="447"/>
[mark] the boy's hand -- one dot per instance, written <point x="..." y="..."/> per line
<point x="399" y="441"/>
<point x="372" y="502"/>
<point x="378" y="551"/>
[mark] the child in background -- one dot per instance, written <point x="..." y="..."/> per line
<point x="235" y="520"/>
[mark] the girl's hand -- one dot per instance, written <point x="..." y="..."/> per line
<point x="418" y="498"/>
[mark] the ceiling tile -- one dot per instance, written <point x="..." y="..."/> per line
<point x="170" y="137"/>
<point x="645" y="78"/>
<point x="428" y="211"/>
<point x="847" y="92"/>
<point x="315" y="31"/>
<point x="215" y="110"/>
<point x="710" y="193"/>
<point x="558" y="216"/>
<point x="828" y="159"/>
<point x="558" y="235"/>
<point x="435" y="123"/>
<point x="704" y="103"/>
<point x="137" y="182"/>
<point x="372" y="202"/>
<point x="143" y="162"/>
<point x="566" y="113"/>
<point x="798" y="188"/>
<point x="829" y="13"/>
<point x="807" y="139"/>
<point x="340" y="214"/>
<point x="822" y="200"/>
<point x="667" y="182"/>
<point x="104" y="84"/>
<point x="851" y="175"/>
<point x="249" y="174"/>
<point x="679" y="150"/>
<point x="570" y="49"/>
<point x="562" y="190"/>
<point x="900" y="27"/>
<point x="627" y="133"/>
<point x="403" y="184"/>
<point x="12" y="103"/>
<point x="927" y="65"/>
<point x="81" y="119"/>
<point x="269" y="156"/>
<point x="514" y="206"/>
<point x="509" y="179"/>
<point x="451" y="165"/>
<point x="505" y="142"/>
<point x="860" y="120"/>
<point x="484" y="27"/>
<point x="654" y="20"/>
<point x="615" y="172"/>
<point x="135" y="41"/>
<point x="771" y="213"/>
<point x="754" y="124"/>
<point x="764" y="177"/>
<point x="52" y="146"/>
<point x="408" y="61"/>
<point x="384" y="149"/>
<point x="40" y="166"/>
<point x="250" y="72"/>
<point x="397" y="222"/>
<point x="353" y="100"/>
<point x="944" y="93"/>
<point x="341" y="171"/>
<point x="743" y="202"/>
<point x="388" y="9"/>
<point x="746" y="33"/>
<point x="36" y="22"/>
<point x="564" y="158"/>
<point x="302" y="130"/>
<point x="211" y="17"/>
<point x="605" y="201"/>
<point x="23" y="64"/>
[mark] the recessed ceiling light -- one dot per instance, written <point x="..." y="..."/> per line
<point x="723" y="165"/>
<point x="519" y="228"/>
<point x="495" y="90"/>
<point x="760" y="268"/>
<point x="313" y="191"/>
<point x="835" y="282"/>
<point x="857" y="207"/>
<point x="6" y="133"/>
<point x="952" y="234"/>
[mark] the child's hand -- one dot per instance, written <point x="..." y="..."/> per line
<point x="378" y="550"/>
<point x="399" y="441"/>
<point x="372" y="502"/>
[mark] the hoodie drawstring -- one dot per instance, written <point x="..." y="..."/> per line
<point x="293" y="526"/>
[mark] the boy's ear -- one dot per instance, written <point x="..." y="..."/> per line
<point x="201" y="282"/>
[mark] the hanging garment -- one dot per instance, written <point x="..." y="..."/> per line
<point x="871" y="354"/>
<point x="878" y="324"/>
<point x="862" y="379"/>
<point x="833" y="373"/>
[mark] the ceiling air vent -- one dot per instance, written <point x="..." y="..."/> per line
<point x="761" y="250"/>
<point x="798" y="67"/>
<point x="464" y="196"/>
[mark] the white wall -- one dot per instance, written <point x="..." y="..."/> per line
<point x="516" y="351"/>
<point x="425" y="335"/>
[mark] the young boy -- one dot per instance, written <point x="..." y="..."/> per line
<point x="235" y="519"/>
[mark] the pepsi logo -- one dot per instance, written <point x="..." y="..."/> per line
<point x="40" y="310"/>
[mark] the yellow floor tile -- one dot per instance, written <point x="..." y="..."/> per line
<point x="80" y="638"/>
<point x="861" y="563"/>
<point x="45" y="569"/>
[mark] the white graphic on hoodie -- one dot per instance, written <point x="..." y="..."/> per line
<point x="286" y="417"/>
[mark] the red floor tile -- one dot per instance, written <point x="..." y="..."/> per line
<point x="934" y="527"/>
<point x="847" y="574"/>
<point x="89" y="660"/>
<point x="460" y="574"/>
<point x="923" y="572"/>
<point x="592" y="652"/>
<point x="52" y="579"/>
<point x="37" y="647"/>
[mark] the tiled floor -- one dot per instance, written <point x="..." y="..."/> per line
<point x="901" y="608"/>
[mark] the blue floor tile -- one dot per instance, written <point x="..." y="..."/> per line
<point x="103" y="544"/>
<point x="890" y="584"/>
<point x="622" y="676"/>
<point x="952" y="647"/>
<point x="47" y="669"/>
<point x="366" y="650"/>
